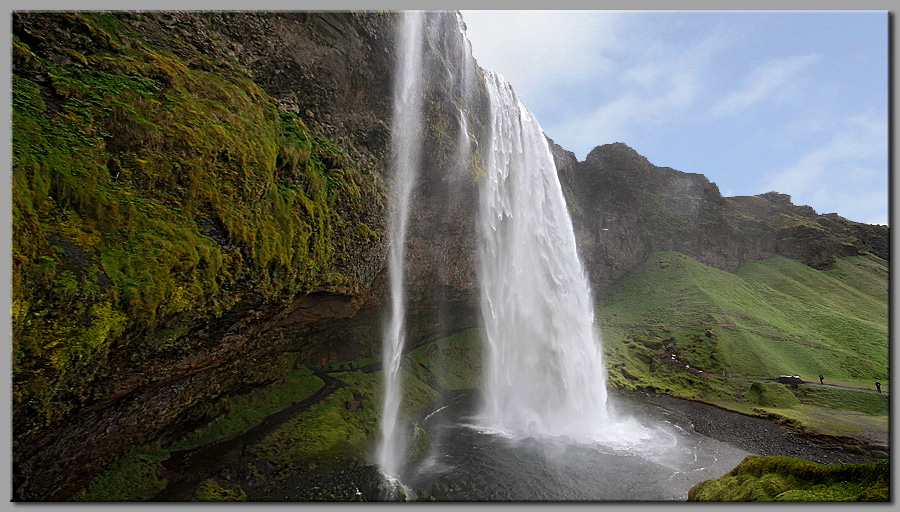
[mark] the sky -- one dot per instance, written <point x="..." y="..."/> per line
<point x="788" y="101"/>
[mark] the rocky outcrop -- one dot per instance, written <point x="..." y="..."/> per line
<point x="623" y="208"/>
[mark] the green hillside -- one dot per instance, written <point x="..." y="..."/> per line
<point x="676" y="325"/>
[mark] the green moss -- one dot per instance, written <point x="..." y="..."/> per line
<point x="245" y="411"/>
<point x="778" y="478"/>
<point x="210" y="490"/>
<point x="151" y="189"/>
<point x="135" y="477"/>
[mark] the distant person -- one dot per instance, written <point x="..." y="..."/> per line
<point x="878" y="386"/>
<point x="323" y="363"/>
<point x="821" y="379"/>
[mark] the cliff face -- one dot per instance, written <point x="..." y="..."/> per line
<point x="623" y="208"/>
<point x="199" y="206"/>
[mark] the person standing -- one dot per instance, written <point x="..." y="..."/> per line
<point x="878" y="386"/>
<point x="821" y="379"/>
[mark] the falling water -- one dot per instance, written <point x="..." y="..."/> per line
<point x="544" y="374"/>
<point x="405" y="147"/>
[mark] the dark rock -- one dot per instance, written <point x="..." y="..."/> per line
<point x="623" y="208"/>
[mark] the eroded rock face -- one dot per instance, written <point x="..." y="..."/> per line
<point x="623" y="208"/>
<point x="334" y="71"/>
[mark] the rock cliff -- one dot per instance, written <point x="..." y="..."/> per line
<point x="623" y="208"/>
<point x="200" y="206"/>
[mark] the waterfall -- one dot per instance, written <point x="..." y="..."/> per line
<point x="405" y="147"/>
<point x="544" y="373"/>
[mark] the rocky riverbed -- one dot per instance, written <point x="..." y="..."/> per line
<point x="763" y="437"/>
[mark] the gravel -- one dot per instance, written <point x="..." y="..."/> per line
<point x="756" y="435"/>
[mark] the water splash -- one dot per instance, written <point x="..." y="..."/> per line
<point x="544" y="372"/>
<point x="406" y="141"/>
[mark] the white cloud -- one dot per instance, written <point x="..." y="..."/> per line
<point x="660" y="87"/>
<point x="537" y="51"/>
<point x="770" y="79"/>
<point x="847" y="174"/>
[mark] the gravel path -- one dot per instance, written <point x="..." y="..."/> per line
<point x="756" y="435"/>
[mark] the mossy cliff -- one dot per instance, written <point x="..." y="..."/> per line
<point x="198" y="208"/>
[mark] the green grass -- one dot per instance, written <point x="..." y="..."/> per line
<point x="345" y="426"/>
<point x="210" y="490"/>
<point x="766" y="319"/>
<point x="342" y="426"/>
<point x="246" y="411"/>
<point x="135" y="477"/>
<point x="777" y="478"/>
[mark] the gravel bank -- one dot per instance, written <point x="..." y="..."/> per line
<point x="756" y="435"/>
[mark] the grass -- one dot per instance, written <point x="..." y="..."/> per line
<point x="135" y="477"/>
<point x="345" y="426"/>
<point x="752" y="318"/>
<point x="248" y="410"/>
<point x="675" y="325"/>
<point x="777" y="478"/>
<point x="210" y="490"/>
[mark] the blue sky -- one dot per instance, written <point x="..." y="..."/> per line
<point x="795" y="102"/>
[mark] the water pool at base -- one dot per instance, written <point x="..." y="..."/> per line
<point x="655" y="456"/>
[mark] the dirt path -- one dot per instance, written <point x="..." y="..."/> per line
<point x="810" y="383"/>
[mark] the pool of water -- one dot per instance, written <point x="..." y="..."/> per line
<point x="650" y="454"/>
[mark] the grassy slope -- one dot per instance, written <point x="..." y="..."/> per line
<point x="766" y="319"/>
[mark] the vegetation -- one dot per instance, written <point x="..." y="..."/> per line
<point x="675" y="325"/>
<point x="777" y="478"/>
<point x="135" y="477"/>
<point x="152" y="189"/>
<point x="210" y="490"/>
<point x="345" y="425"/>
<point x="246" y="411"/>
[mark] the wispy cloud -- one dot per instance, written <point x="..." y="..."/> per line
<point x="847" y="174"/>
<point x="617" y="120"/>
<point x="537" y="51"/>
<point x="770" y="79"/>
<point x="658" y="85"/>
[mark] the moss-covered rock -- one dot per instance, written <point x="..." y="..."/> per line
<point x="210" y="490"/>
<point x="777" y="478"/>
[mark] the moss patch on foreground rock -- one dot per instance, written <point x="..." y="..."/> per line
<point x="210" y="490"/>
<point x="135" y="477"/>
<point x="778" y="478"/>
